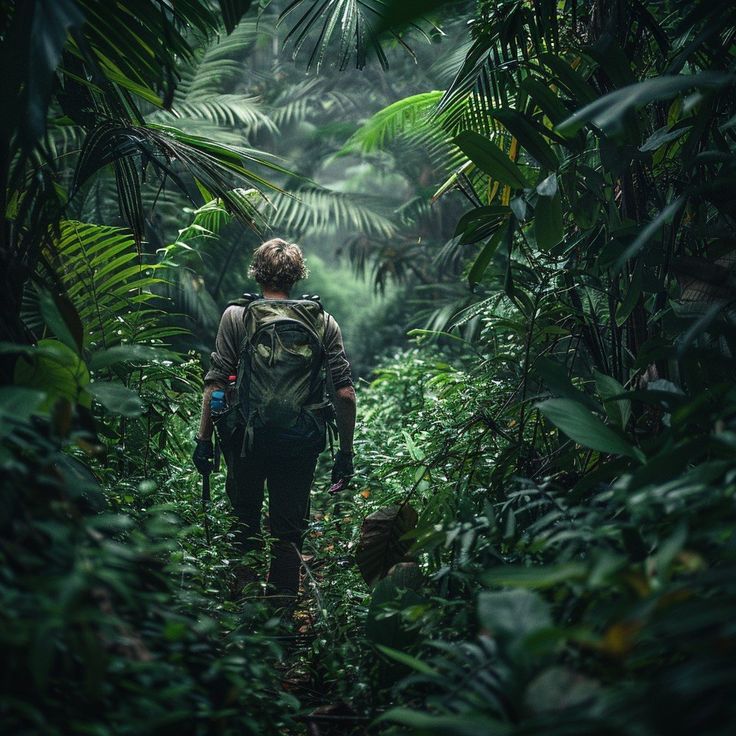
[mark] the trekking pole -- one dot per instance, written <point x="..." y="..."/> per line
<point x="218" y="455"/>
<point x="205" y="504"/>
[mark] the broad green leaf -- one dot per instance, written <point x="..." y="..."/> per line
<point x="456" y="724"/>
<point x="17" y="404"/>
<point x="585" y="428"/>
<point x="51" y="21"/>
<point x="406" y="659"/>
<point x="133" y="353"/>
<point x="548" y="225"/>
<point x="117" y="398"/>
<point x="571" y="79"/>
<point x="612" y="59"/>
<point x="512" y="613"/>
<point x="55" y="369"/>
<point x="548" y="187"/>
<point x="537" y="576"/>
<point x="558" y="382"/>
<point x="546" y="100"/>
<point x="528" y="136"/>
<point x="618" y="410"/>
<point x="608" y="112"/>
<point x="61" y="317"/>
<point x="631" y="298"/>
<point x="484" y="258"/>
<point x="489" y="158"/>
<point x="648" y="231"/>
<point x="663" y="136"/>
<point x="480" y="223"/>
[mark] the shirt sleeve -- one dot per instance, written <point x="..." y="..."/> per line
<point x="336" y="357"/>
<point x="224" y="361"/>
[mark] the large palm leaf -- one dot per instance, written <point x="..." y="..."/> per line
<point x="346" y="28"/>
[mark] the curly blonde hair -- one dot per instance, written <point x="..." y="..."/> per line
<point x="278" y="264"/>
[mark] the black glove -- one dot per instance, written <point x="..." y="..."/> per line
<point x="343" y="467"/>
<point x="202" y="457"/>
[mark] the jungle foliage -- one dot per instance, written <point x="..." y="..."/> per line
<point x="540" y="538"/>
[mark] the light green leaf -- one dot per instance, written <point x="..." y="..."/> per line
<point x="55" y="369"/>
<point x="512" y="612"/>
<point x="124" y="353"/>
<point x="117" y="398"/>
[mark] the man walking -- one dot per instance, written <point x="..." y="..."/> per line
<point x="283" y="367"/>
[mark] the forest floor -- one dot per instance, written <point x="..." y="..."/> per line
<point x="321" y="650"/>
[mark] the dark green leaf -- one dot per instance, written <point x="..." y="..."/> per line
<point x="489" y="158"/>
<point x="484" y="258"/>
<point x="52" y="20"/>
<point x="546" y="99"/>
<point x="55" y="369"/>
<point x="558" y="382"/>
<point x="584" y="427"/>
<point x="548" y="225"/>
<point x="406" y="659"/>
<point x="480" y="223"/>
<point x="608" y="111"/>
<point x="648" y="231"/>
<point x="631" y="298"/>
<point x="447" y="725"/>
<point x="618" y="410"/>
<point x="538" y="576"/>
<point x="381" y="545"/>
<point x="528" y="137"/>
<point x="571" y="79"/>
<point x="61" y="317"/>
<point x="233" y="11"/>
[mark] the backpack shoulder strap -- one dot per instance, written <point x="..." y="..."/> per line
<point x="244" y="300"/>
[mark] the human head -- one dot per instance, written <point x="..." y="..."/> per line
<point x="278" y="264"/>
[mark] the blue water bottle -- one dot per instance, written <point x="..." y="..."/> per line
<point x="217" y="401"/>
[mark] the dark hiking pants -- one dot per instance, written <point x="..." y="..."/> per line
<point x="285" y="465"/>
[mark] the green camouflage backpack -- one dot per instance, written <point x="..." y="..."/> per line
<point x="282" y="372"/>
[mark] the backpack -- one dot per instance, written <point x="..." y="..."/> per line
<point x="282" y="371"/>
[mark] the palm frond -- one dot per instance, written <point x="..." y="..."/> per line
<point x="218" y="65"/>
<point x="225" y="110"/>
<point x="345" y="28"/>
<point x="306" y="98"/>
<point x="314" y="210"/>
<point x="170" y="152"/>
<point x="109" y="284"/>
<point x="403" y="115"/>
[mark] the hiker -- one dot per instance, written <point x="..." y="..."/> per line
<point x="282" y="365"/>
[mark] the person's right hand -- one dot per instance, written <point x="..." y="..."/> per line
<point x="343" y="467"/>
<point x="203" y="455"/>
